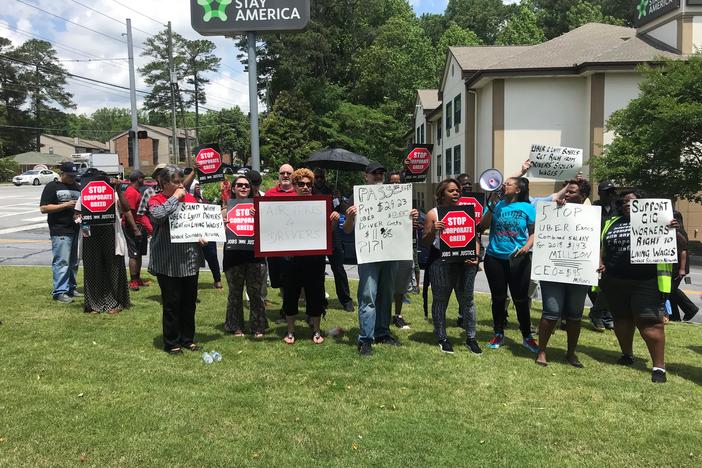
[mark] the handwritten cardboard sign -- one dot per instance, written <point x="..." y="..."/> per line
<point x="566" y="244"/>
<point x="240" y="225"/>
<point x="652" y="241"/>
<point x="195" y="221"/>
<point x="292" y="226"/>
<point x="555" y="162"/>
<point x="457" y="239"/>
<point x="383" y="227"/>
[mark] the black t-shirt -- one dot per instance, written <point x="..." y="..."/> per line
<point x="617" y="255"/>
<point x="60" y="223"/>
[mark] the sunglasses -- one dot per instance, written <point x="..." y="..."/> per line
<point x="305" y="184"/>
<point x="243" y="186"/>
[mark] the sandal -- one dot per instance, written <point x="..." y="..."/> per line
<point x="317" y="338"/>
<point x="175" y="351"/>
<point x="193" y="347"/>
<point x="289" y="338"/>
<point x="258" y="335"/>
<point x="239" y="333"/>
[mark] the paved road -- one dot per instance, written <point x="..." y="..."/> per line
<point x="24" y="239"/>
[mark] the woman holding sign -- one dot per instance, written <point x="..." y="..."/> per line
<point x="447" y="276"/>
<point x="241" y="266"/>
<point x="176" y="265"/>
<point x="305" y="272"/>
<point x="507" y="258"/>
<point x="635" y="292"/>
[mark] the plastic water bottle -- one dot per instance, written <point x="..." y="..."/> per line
<point x="207" y="358"/>
<point x="668" y="307"/>
<point x="216" y="357"/>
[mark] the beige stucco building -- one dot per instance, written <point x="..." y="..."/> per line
<point x="65" y="146"/>
<point x="494" y="102"/>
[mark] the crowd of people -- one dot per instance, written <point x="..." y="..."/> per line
<point x="629" y="296"/>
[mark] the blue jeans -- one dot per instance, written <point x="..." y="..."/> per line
<point x="64" y="264"/>
<point x="376" y="287"/>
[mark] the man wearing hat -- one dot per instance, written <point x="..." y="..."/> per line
<point x="600" y="317"/>
<point x="58" y="201"/>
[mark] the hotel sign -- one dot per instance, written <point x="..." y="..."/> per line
<point x="227" y="17"/>
<point x="648" y="10"/>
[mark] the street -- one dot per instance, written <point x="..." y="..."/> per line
<point x="24" y="240"/>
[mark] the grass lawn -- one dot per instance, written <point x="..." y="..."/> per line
<point x="91" y="390"/>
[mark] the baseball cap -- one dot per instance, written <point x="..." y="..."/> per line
<point x="68" y="168"/>
<point x="606" y="185"/>
<point x="157" y="169"/>
<point x="254" y="177"/>
<point x="374" y="166"/>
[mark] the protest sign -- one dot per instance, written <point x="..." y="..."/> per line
<point x="192" y="222"/>
<point x="97" y="199"/>
<point x="240" y="224"/>
<point x="417" y="163"/>
<point x="566" y="244"/>
<point x="555" y="162"/>
<point x="383" y="227"/>
<point x="292" y="226"/>
<point x="476" y="200"/>
<point x="210" y="167"/>
<point x="457" y="239"/>
<point x="652" y="241"/>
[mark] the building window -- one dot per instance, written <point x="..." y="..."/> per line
<point x="457" y="159"/>
<point x="416" y="137"/>
<point x="421" y="134"/>
<point x="448" y="162"/>
<point x="438" y="132"/>
<point x="457" y="111"/>
<point x="449" y="118"/>
<point x="438" y="165"/>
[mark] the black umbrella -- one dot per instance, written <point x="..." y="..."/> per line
<point x="337" y="158"/>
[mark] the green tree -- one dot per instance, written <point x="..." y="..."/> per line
<point x="156" y="73"/>
<point x="522" y="28"/>
<point x="200" y="59"/>
<point x="656" y="146"/>
<point x="585" y="12"/>
<point x="434" y="26"/>
<point x="553" y="14"/>
<point x="8" y="169"/>
<point x="453" y="36"/>
<point x="101" y="124"/>
<point x="484" y="17"/>
<point x="13" y="95"/>
<point x="229" y="128"/>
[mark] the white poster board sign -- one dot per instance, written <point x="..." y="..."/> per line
<point x="652" y="241"/>
<point x="555" y="162"/>
<point x="566" y="244"/>
<point x="288" y="226"/>
<point x="383" y="225"/>
<point x="194" y="221"/>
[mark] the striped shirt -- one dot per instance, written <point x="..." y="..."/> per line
<point x="168" y="258"/>
<point x="143" y="207"/>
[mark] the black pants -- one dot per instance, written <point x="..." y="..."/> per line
<point x="178" y="296"/>
<point x="679" y="301"/>
<point x="514" y="273"/>
<point x="304" y="273"/>
<point x="277" y="268"/>
<point x="336" y="261"/>
<point x="210" y="253"/>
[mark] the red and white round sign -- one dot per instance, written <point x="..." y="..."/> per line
<point x="240" y="220"/>
<point x="418" y="160"/>
<point x="459" y="230"/>
<point x="208" y="160"/>
<point x="97" y="196"/>
<point x="477" y="206"/>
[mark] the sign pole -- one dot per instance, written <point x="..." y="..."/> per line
<point x="253" y="102"/>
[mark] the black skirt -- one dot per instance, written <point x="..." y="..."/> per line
<point x="104" y="273"/>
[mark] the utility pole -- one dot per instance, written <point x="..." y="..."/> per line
<point x="253" y="102"/>
<point x="132" y="95"/>
<point x="174" y="83"/>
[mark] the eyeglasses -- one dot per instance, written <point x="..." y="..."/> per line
<point x="305" y="184"/>
<point x="242" y="185"/>
<point x="285" y="173"/>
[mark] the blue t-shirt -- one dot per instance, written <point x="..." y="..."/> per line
<point x="509" y="229"/>
<point x="535" y="200"/>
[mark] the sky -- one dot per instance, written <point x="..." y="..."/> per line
<point x="78" y="47"/>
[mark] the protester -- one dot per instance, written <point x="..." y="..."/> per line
<point x="209" y="250"/>
<point x="242" y="267"/>
<point x="255" y="180"/>
<point x="225" y="191"/>
<point x="633" y="291"/>
<point x="376" y="283"/>
<point x="447" y="276"/>
<point x="508" y="258"/>
<point x="678" y="299"/>
<point x="58" y="201"/>
<point x="138" y="238"/>
<point x="600" y="316"/>
<point x="305" y="273"/>
<point x="564" y="301"/>
<point x="466" y="188"/>
<point x="103" y="249"/>
<point x="175" y="265"/>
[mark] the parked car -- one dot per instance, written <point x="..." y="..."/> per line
<point x="35" y="177"/>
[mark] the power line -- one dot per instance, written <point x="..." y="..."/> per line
<point x="108" y="16"/>
<point x="139" y="13"/>
<point x="92" y="60"/>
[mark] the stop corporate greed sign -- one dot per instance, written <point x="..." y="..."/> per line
<point x="476" y="200"/>
<point x="97" y="200"/>
<point x="566" y="244"/>
<point x="383" y="227"/>
<point x="457" y="239"/>
<point x="222" y="17"/>
<point x="240" y="225"/>
<point x="193" y="222"/>
<point x="209" y="164"/>
<point x="555" y="162"/>
<point x="652" y="241"/>
<point x="417" y="163"/>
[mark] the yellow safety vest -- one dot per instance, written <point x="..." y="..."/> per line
<point x="664" y="271"/>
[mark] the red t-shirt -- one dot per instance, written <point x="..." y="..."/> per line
<point x="134" y="197"/>
<point x="277" y="192"/>
<point x="225" y="191"/>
